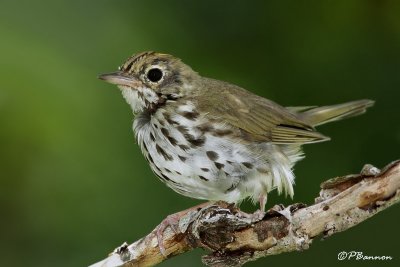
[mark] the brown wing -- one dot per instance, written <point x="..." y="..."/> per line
<point x="257" y="118"/>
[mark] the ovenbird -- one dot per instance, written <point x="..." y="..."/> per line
<point x="213" y="140"/>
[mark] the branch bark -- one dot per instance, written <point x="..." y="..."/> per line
<point x="235" y="239"/>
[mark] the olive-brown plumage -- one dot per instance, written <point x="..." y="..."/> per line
<point x="213" y="140"/>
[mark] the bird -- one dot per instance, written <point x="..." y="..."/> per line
<point x="213" y="140"/>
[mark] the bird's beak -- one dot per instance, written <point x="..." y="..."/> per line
<point x="120" y="78"/>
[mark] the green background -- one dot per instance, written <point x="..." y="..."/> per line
<point x="73" y="184"/>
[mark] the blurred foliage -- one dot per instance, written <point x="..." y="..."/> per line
<point x="73" y="184"/>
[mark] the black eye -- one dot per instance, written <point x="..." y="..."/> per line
<point x="154" y="75"/>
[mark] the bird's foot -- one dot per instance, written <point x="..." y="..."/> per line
<point x="173" y="222"/>
<point x="259" y="214"/>
<point x="256" y="216"/>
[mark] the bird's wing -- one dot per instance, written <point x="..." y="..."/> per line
<point x="257" y="118"/>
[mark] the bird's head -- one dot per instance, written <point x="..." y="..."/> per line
<point x="148" y="80"/>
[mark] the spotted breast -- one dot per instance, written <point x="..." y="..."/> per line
<point x="204" y="159"/>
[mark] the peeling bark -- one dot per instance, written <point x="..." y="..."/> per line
<point x="235" y="239"/>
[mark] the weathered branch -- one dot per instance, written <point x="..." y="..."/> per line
<point x="234" y="239"/>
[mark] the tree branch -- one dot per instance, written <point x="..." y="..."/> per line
<point x="234" y="239"/>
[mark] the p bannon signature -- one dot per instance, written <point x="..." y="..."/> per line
<point x="359" y="256"/>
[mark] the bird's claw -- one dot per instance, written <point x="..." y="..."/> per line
<point x="171" y="221"/>
<point x="256" y="216"/>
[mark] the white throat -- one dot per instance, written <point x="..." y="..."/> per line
<point x="139" y="99"/>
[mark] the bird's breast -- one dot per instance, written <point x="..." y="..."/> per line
<point x="192" y="155"/>
<point x="201" y="158"/>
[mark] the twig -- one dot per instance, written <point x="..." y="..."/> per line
<point x="234" y="239"/>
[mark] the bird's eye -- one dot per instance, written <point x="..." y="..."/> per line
<point x="154" y="75"/>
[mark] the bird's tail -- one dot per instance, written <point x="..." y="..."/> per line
<point x="321" y="115"/>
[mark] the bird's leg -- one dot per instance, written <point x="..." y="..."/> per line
<point x="173" y="222"/>
<point x="259" y="214"/>
<point x="263" y="201"/>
